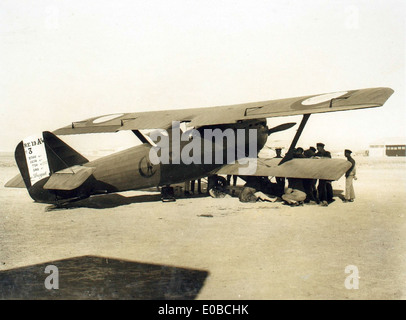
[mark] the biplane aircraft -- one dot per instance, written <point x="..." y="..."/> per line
<point x="55" y="173"/>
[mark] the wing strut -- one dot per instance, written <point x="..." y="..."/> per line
<point x="289" y="155"/>
<point x="140" y="136"/>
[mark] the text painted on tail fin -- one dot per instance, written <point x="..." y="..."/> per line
<point x="36" y="156"/>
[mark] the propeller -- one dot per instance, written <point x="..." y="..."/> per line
<point x="281" y="127"/>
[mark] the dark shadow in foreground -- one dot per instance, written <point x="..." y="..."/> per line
<point x="91" y="277"/>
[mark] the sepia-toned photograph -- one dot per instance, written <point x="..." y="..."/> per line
<point x="203" y="150"/>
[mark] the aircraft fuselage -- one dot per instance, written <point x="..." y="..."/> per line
<point x="132" y="168"/>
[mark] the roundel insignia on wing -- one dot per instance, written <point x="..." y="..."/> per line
<point x="146" y="168"/>
<point x="107" y="118"/>
<point x="323" y="98"/>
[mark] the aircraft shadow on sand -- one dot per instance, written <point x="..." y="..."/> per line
<point x="114" y="200"/>
<point x="106" y="201"/>
<point x="109" y="201"/>
<point x="92" y="277"/>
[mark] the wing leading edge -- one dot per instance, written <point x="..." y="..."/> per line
<point x="330" y="102"/>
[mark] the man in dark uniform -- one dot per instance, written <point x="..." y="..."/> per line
<point x="280" y="181"/>
<point x="310" y="153"/>
<point x="234" y="180"/>
<point x="324" y="188"/>
<point x="295" y="194"/>
<point x="199" y="186"/>
<point x="298" y="153"/>
<point x="234" y="183"/>
<point x="310" y="184"/>
<point x="257" y="188"/>
<point x="278" y="152"/>
<point x="321" y="152"/>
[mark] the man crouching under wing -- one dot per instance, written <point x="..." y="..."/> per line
<point x="295" y="193"/>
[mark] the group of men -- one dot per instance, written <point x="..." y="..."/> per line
<point x="298" y="191"/>
<point x="301" y="191"/>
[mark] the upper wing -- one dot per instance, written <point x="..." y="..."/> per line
<point x="323" y="168"/>
<point x="337" y="101"/>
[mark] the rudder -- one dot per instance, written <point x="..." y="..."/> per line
<point x="39" y="156"/>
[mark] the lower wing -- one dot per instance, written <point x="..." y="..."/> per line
<point x="313" y="168"/>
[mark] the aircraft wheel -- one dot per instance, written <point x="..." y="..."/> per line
<point x="218" y="187"/>
<point x="167" y="194"/>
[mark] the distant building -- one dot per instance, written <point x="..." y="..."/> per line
<point x="396" y="150"/>
<point x="394" y="147"/>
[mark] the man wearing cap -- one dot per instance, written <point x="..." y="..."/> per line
<point x="310" y="153"/>
<point x="298" y="153"/>
<point x="349" y="177"/>
<point x="278" y="153"/>
<point x="324" y="188"/>
<point x="280" y="181"/>
<point x="321" y="152"/>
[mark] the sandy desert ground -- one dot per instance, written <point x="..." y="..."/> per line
<point x="248" y="251"/>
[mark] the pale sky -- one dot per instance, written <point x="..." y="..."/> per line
<point x="64" y="61"/>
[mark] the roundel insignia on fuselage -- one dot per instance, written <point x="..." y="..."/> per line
<point x="146" y="168"/>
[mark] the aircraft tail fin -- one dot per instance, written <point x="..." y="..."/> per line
<point x="40" y="156"/>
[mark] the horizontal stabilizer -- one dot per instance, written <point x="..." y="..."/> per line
<point x="69" y="179"/>
<point x="323" y="168"/>
<point x="16" y="182"/>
